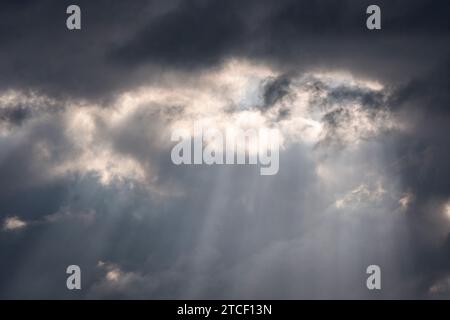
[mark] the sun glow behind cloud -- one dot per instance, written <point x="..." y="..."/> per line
<point x="324" y="123"/>
<point x="227" y="97"/>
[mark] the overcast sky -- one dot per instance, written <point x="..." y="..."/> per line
<point x="86" y="176"/>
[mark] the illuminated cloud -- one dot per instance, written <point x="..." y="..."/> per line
<point x="13" y="223"/>
<point x="85" y="150"/>
<point x="406" y="200"/>
<point x="447" y="210"/>
<point x="362" y="195"/>
<point x="230" y="97"/>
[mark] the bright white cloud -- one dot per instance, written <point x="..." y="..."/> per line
<point x="227" y="97"/>
<point x="14" y="223"/>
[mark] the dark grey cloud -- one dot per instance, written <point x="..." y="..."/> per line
<point x="121" y="45"/>
<point x="195" y="33"/>
<point x="275" y="90"/>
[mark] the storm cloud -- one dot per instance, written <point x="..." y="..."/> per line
<point x="86" y="119"/>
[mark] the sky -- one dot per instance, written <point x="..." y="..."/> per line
<point x="86" y="176"/>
